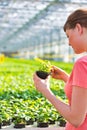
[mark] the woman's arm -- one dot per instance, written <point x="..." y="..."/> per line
<point x="75" y="113"/>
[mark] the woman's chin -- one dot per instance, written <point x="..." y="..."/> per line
<point x="78" y="51"/>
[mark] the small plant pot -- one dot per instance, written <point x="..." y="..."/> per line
<point x="19" y="126"/>
<point x="0" y="125"/>
<point x="51" y="122"/>
<point x="29" y="122"/>
<point x="42" y="124"/>
<point x="42" y="74"/>
<point x="62" y="123"/>
<point x="6" y="123"/>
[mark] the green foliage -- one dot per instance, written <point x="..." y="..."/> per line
<point x="18" y="96"/>
<point x="44" y="65"/>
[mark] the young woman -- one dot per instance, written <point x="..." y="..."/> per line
<point x="76" y="83"/>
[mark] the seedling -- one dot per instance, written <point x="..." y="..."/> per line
<point x="44" y="69"/>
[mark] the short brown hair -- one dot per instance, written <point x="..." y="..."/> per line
<point x="78" y="16"/>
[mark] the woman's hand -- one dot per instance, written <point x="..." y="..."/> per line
<point x="58" y="73"/>
<point x="40" y="84"/>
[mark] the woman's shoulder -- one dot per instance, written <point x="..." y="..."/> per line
<point x="82" y="59"/>
<point x="81" y="62"/>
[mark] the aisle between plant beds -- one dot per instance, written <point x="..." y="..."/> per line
<point x="35" y="128"/>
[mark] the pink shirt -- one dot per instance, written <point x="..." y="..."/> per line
<point x="78" y="77"/>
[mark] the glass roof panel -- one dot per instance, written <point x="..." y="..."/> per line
<point x="23" y="22"/>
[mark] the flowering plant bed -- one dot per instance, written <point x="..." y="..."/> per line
<point x="18" y="95"/>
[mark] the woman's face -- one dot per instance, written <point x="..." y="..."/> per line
<point x="75" y="37"/>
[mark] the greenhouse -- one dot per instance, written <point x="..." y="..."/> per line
<point x="29" y="30"/>
<point x="37" y="24"/>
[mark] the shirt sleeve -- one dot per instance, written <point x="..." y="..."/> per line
<point x="80" y="74"/>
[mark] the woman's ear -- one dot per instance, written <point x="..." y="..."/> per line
<point x="79" y="28"/>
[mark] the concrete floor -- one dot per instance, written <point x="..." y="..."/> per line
<point x="32" y="128"/>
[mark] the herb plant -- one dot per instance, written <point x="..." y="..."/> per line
<point x="44" y="68"/>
